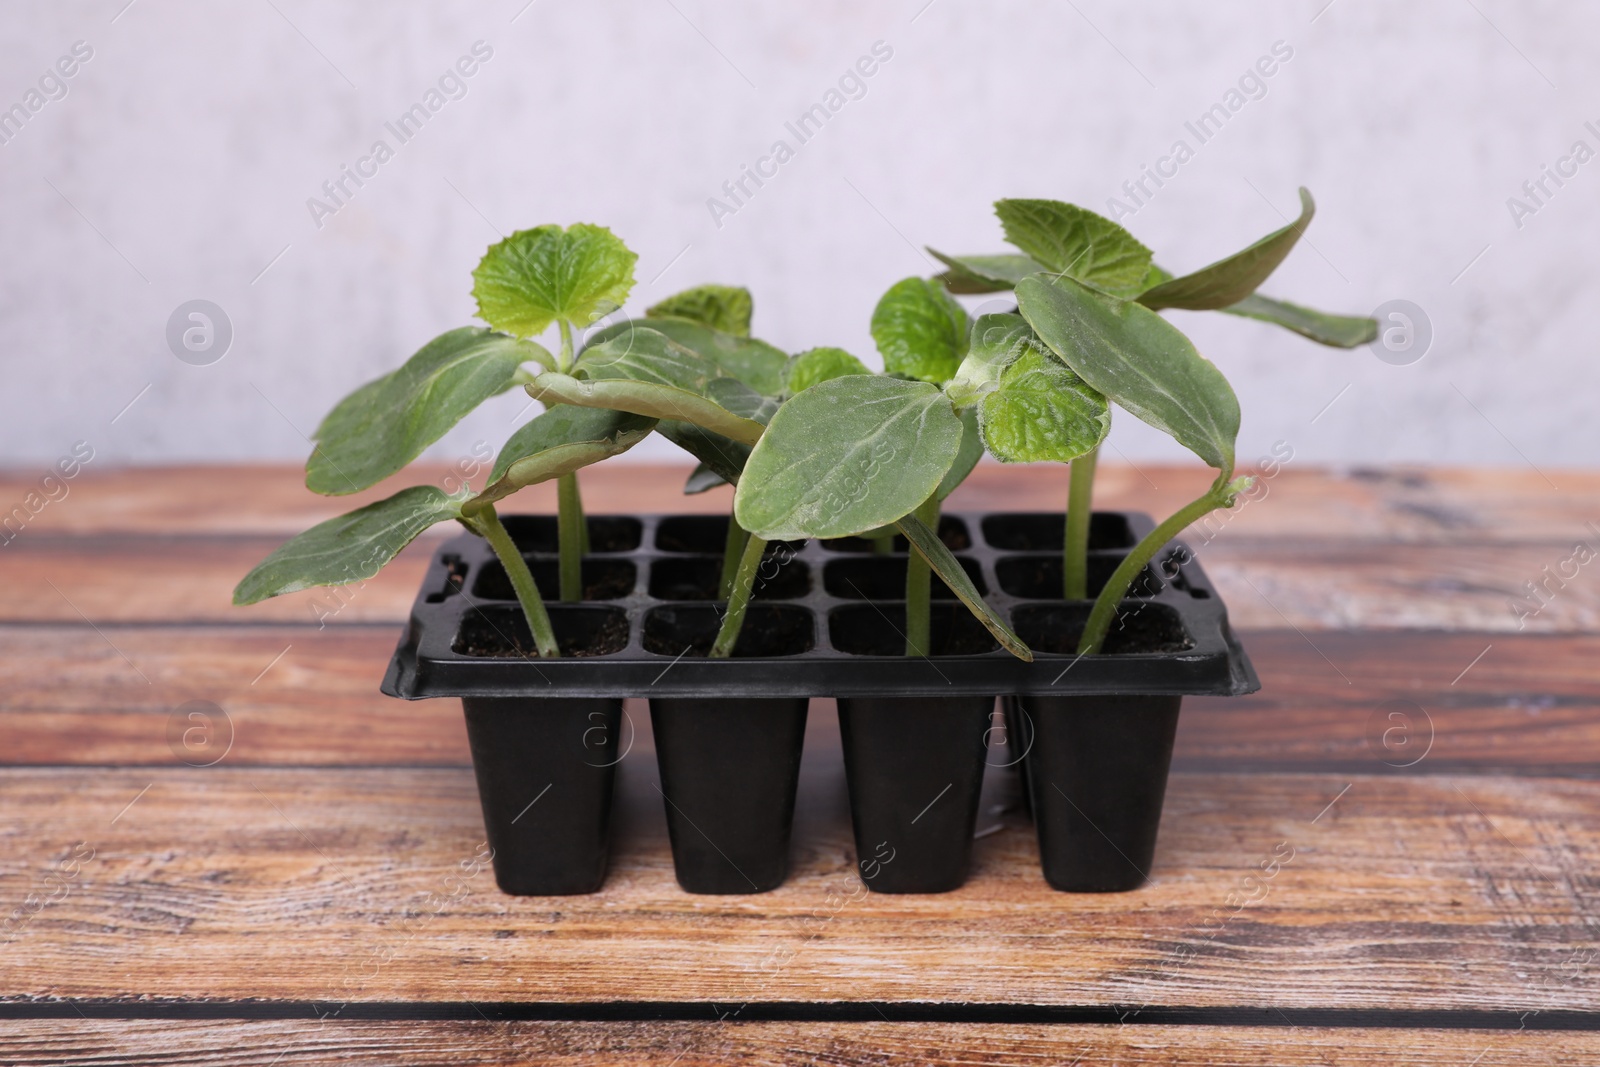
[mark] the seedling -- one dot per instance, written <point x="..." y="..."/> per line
<point x="1087" y="292"/>
<point x="531" y="280"/>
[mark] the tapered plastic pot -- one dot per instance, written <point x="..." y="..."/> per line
<point x="729" y="769"/>
<point x="545" y="768"/>
<point x="915" y="768"/>
<point x="1097" y="770"/>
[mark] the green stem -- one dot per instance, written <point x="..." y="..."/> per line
<point x="919" y="586"/>
<point x="744" y="581"/>
<point x="883" y="546"/>
<point x="1075" y="545"/>
<point x="564" y="364"/>
<point x="1116" y="587"/>
<point x="731" y="549"/>
<point x="570" y="537"/>
<point x="544" y="637"/>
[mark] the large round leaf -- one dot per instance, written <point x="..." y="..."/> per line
<point x="1042" y="411"/>
<point x="1076" y="242"/>
<point x="920" y="330"/>
<point x="534" y="277"/>
<point x="846" y="456"/>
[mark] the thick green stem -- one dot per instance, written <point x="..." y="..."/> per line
<point x="570" y="537"/>
<point x="731" y="550"/>
<point x="1075" y="544"/>
<point x="1105" y="605"/>
<point x="744" y="581"/>
<point x="505" y="549"/>
<point x="883" y="546"/>
<point x="919" y="586"/>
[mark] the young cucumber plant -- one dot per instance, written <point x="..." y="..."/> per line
<point x="525" y="283"/>
<point x="1064" y="243"/>
<point x="816" y="446"/>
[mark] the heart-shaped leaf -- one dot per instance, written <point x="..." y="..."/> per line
<point x="985" y="274"/>
<point x="1338" y="331"/>
<point x="1042" y="411"/>
<point x="379" y="428"/>
<point x="920" y="330"/>
<point x="349" y="548"/>
<point x="721" y="307"/>
<point x="1076" y="242"/>
<point x="752" y="361"/>
<point x="535" y="277"/>
<point x="845" y="456"/>
<point x="816" y="365"/>
<point x="947" y="567"/>
<point x="1138" y="359"/>
<point x="1228" y="281"/>
<point x="560" y="441"/>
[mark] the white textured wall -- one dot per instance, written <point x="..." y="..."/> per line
<point x="179" y="163"/>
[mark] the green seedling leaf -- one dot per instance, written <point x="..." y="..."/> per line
<point x="946" y="566"/>
<point x="721" y="307"/>
<point x="820" y="365"/>
<point x="350" y="548"/>
<point x="1070" y="240"/>
<point x="1138" y="359"/>
<point x="701" y="479"/>
<point x="967" y="458"/>
<point x="1228" y="281"/>
<point x="754" y="362"/>
<point x="985" y="274"/>
<point x="560" y="441"/>
<point x="997" y="342"/>
<point x="535" y="277"/>
<point x="847" y="455"/>
<point x="723" y="456"/>
<point x="920" y="330"/>
<point x="742" y="400"/>
<point x="1338" y="331"/>
<point x="385" y="424"/>
<point x="642" y="354"/>
<point x="645" y="398"/>
<point x="1042" y="411"/>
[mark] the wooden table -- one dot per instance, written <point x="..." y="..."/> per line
<point x="301" y="900"/>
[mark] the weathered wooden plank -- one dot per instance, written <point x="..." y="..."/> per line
<point x="1313" y="584"/>
<point x="332" y="886"/>
<point x="684" y="1044"/>
<point x="69" y="697"/>
<point x="1436" y="504"/>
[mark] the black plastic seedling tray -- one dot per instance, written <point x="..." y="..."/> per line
<point x="826" y="619"/>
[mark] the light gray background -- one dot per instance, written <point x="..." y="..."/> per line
<point x="179" y="165"/>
